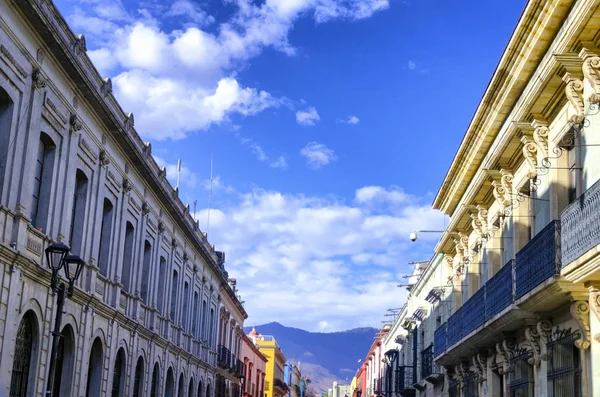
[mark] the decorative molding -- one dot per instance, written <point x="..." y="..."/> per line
<point x="38" y="79"/>
<point x="544" y="329"/>
<point x="595" y="306"/>
<point x="580" y="310"/>
<point x="532" y="336"/>
<point x="478" y="368"/>
<point x="530" y="152"/>
<point x="79" y="45"/>
<point x="84" y="144"/>
<point x="503" y="351"/>
<point x="574" y="92"/>
<point x="134" y="204"/>
<point x="113" y="179"/>
<point x="479" y="221"/>
<point x="129" y="123"/>
<point x="145" y="208"/>
<point x="591" y="72"/>
<point x="12" y="60"/>
<point x="106" y="86"/>
<point x="502" y="190"/>
<point x="540" y="136"/>
<point x="147" y="148"/>
<point x="74" y="124"/>
<point x="54" y="108"/>
<point x="127" y="185"/>
<point x="482" y="361"/>
<point x="459" y="374"/>
<point x="104" y="159"/>
<point x="450" y="263"/>
<point x="161" y="227"/>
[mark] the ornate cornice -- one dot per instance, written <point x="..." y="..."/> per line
<point x="580" y="310"/>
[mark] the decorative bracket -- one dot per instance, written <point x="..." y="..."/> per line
<point x="574" y="92"/>
<point x="591" y="72"/>
<point x="530" y="152"/>
<point x="540" y="136"/>
<point x="580" y="310"/>
<point x="532" y="336"/>
<point x="502" y="189"/>
<point x="595" y="306"/>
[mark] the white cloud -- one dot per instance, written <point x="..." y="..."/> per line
<point x="378" y="195"/>
<point x="186" y="176"/>
<point x="342" y="260"/>
<point x="307" y="117"/>
<point x="280" y="162"/>
<point x="412" y="65"/>
<point x="350" y="120"/>
<point x="317" y="154"/>
<point x="183" y="80"/>
<point x="261" y="155"/>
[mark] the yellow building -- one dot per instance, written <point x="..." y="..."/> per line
<point x="274" y="384"/>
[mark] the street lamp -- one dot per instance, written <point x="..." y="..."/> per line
<point x="56" y="255"/>
<point x="414" y="236"/>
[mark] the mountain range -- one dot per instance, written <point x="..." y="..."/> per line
<point x="323" y="357"/>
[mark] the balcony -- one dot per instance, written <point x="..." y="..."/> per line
<point x="223" y="357"/>
<point x="278" y="383"/>
<point x="430" y="371"/>
<point x="404" y="380"/>
<point x="581" y="225"/>
<point x="539" y="260"/>
<point x="522" y="289"/>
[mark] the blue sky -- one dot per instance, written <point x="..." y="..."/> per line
<point x="319" y="115"/>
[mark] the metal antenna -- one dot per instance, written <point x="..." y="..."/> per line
<point x="209" y="196"/>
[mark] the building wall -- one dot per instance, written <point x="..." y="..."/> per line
<point x="255" y="369"/>
<point x="101" y="192"/>
<point x="275" y="365"/>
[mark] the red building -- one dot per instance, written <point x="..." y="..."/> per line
<point x="254" y="368"/>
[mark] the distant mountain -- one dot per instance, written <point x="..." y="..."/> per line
<point x="323" y="357"/>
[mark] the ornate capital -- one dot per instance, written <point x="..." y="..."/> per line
<point x="574" y="92"/>
<point x="145" y="208"/>
<point x="530" y="151"/>
<point x="127" y="185"/>
<point x="103" y="157"/>
<point x="580" y="310"/>
<point x="532" y="336"/>
<point x="591" y="72"/>
<point x="161" y="227"/>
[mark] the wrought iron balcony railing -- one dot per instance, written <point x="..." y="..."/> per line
<point x="223" y="357"/>
<point x="455" y="327"/>
<point x="405" y="378"/>
<point x="499" y="292"/>
<point x="580" y="223"/>
<point x="473" y="313"/>
<point x="427" y="362"/>
<point x="439" y="339"/>
<point x="539" y="260"/>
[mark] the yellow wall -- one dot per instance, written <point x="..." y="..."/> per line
<point x="274" y="367"/>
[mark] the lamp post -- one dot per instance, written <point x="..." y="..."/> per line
<point x="414" y="236"/>
<point x="56" y="255"/>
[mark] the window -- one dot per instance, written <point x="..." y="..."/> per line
<point x="204" y="320"/>
<point x="212" y="326"/>
<point x="23" y="359"/>
<point x="42" y="182"/>
<point x="184" y="314"/>
<point x="138" y="379"/>
<point x="564" y="372"/>
<point x="118" y="374"/>
<point x="94" y="380"/>
<point x="162" y="279"/>
<point x="78" y="213"/>
<point x="154" y="385"/>
<point x="195" y="316"/>
<point x="105" y="237"/>
<point x="146" y="272"/>
<point x="174" y="295"/>
<point x="521" y="376"/>
<point x="128" y="257"/>
<point x="6" y="111"/>
<point x="64" y="364"/>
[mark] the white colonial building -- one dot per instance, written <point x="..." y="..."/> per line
<point x="144" y="317"/>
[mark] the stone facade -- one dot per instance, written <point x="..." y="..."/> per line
<point x="144" y="317"/>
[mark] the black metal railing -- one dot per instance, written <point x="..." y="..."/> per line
<point x="404" y="378"/>
<point x="439" y="339"/>
<point x="427" y="362"/>
<point x="473" y="313"/>
<point x="279" y="384"/>
<point x="455" y="327"/>
<point x="520" y="377"/>
<point x="223" y="357"/>
<point x="539" y="260"/>
<point x="581" y="225"/>
<point x="499" y="290"/>
<point x="564" y="371"/>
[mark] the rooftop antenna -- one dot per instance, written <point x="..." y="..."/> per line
<point x="209" y="196"/>
<point x="178" y="172"/>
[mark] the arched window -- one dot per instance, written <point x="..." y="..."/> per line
<point x="185" y="314"/>
<point x="94" y="380"/>
<point x="23" y="367"/>
<point x="204" y="320"/>
<point x="42" y="182"/>
<point x="119" y="374"/>
<point x="63" y="375"/>
<point x="199" y="389"/>
<point x="105" y="236"/>
<point x="208" y="391"/>
<point x="191" y="388"/>
<point x="174" y="295"/>
<point x="162" y="279"/>
<point x="170" y="385"/>
<point x="146" y="271"/>
<point x="6" y="113"/>
<point x="155" y="378"/>
<point x="128" y="257"/>
<point x="212" y="327"/>
<point x="138" y="379"/>
<point x="181" y="388"/>
<point x="78" y="213"/>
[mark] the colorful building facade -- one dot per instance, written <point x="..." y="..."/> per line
<point x="255" y="364"/>
<point x="275" y="385"/>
